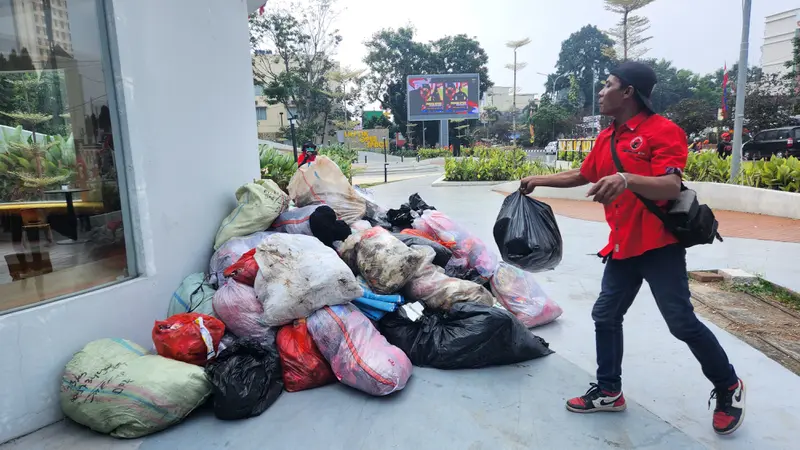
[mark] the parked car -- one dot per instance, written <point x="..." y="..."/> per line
<point x="778" y="141"/>
<point x="551" y="148"/>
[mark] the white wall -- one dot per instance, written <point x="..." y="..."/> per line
<point x="183" y="175"/>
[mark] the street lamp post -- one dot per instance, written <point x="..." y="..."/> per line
<point x="294" y="140"/>
<point x="516" y="67"/>
<point x="741" y="90"/>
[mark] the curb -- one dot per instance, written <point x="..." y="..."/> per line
<point x="440" y="182"/>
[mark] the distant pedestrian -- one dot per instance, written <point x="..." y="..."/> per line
<point x="725" y="147"/>
<point x="308" y="155"/>
<point x="653" y="152"/>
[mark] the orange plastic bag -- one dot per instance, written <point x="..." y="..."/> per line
<point x="244" y="270"/>
<point x="428" y="236"/>
<point x="302" y="363"/>
<point x="190" y="337"/>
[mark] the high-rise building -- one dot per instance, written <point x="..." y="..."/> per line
<point x="42" y="26"/>
<point x="779" y="33"/>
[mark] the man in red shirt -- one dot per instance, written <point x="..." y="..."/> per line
<point x="653" y="154"/>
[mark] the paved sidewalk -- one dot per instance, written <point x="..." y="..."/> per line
<point x="520" y="406"/>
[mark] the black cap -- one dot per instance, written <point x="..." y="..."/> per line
<point x="641" y="77"/>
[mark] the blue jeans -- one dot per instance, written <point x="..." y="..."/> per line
<point x="665" y="272"/>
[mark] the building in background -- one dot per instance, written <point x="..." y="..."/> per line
<point x="501" y="97"/>
<point x="779" y="34"/>
<point x="40" y="24"/>
<point x="271" y="118"/>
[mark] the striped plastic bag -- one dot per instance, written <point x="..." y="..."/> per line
<point x="114" y="387"/>
<point x="193" y="295"/>
<point x="358" y="354"/>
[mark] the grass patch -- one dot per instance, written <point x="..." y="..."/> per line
<point x="764" y="289"/>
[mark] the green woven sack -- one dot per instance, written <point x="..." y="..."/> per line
<point x="193" y="295"/>
<point x="259" y="204"/>
<point x="113" y="386"/>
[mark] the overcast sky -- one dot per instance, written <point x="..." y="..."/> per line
<point x="700" y="35"/>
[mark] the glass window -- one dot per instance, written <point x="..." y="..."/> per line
<point x="783" y="134"/>
<point x="61" y="220"/>
<point x="769" y="135"/>
<point x="261" y="113"/>
<point x="797" y="133"/>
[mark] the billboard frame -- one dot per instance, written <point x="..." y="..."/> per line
<point x="447" y="76"/>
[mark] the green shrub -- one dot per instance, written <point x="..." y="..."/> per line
<point x="776" y="173"/>
<point x="490" y="164"/>
<point x="342" y="156"/>
<point x="428" y="153"/>
<point x="276" y="166"/>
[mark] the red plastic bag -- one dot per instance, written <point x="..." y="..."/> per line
<point x="190" y="337"/>
<point x="244" y="270"/>
<point x="302" y="363"/>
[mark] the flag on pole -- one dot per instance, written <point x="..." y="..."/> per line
<point x="725" y="92"/>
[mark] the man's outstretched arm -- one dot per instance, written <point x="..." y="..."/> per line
<point x="568" y="179"/>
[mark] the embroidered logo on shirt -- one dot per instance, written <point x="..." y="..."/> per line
<point x="637" y="142"/>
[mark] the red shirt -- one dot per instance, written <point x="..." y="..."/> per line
<point x="648" y="145"/>
<point x="306" y="157"/>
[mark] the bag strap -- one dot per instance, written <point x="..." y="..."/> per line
<point x="649" y="204"/>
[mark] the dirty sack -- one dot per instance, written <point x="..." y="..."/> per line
<point x="189" y="337"/>
<point x="519" y="293"/>
<point x="230" y="252"/>
<point x="359" y="356"/>
<point x="237" y="306"/>
<point x="246" y="379"/>
<point x="299" y="275"/>
<point x="404" y="217"/>
<point x="244" y="270"/>
<point x="383" y="260"/>
<point x="114" y="387"/>
<point x="468" y="336"/>
<point x="443" y="254"/>
<point x="295" y="221"/>
<point x="468" y="250"/>
<point x="193" y="295"/>
<point x="259" y="204"/>
<point x="323" y="183"/>
<point x="302" y="364"/>
<point x="527" y="234"/>
<point x="431" y="286"/>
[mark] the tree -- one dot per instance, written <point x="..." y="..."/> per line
<point x="769" y="103"/>
<point x="550" y="120"/>
<point x="297" y="73"/>
<point x="793" y="76"/>
<point x="630" y="30"/>
<point x="393" y="55"/>
<point x="692" y="115"/>
<point x="377" y="122"/>
<point x="584" y="52"/>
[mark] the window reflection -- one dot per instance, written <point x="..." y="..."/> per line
<point x="61" y="226"/>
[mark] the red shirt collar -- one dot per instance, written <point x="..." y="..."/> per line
<point x="634" y="122"/>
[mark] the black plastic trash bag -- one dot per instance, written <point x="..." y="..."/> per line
<point x="527" y="234"/>
<point x="468" y="336"/>
<point x="246" y="379"/>
<point x="443" y="254"/>
<point x="403" y="217"/>
<point x="326" y="227"/>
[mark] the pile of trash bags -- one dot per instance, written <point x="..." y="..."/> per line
<point x="310" y="287"/>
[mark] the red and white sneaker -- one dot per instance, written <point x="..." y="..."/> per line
<point x="729" y="413"/>
<point x="597" y="400"/>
